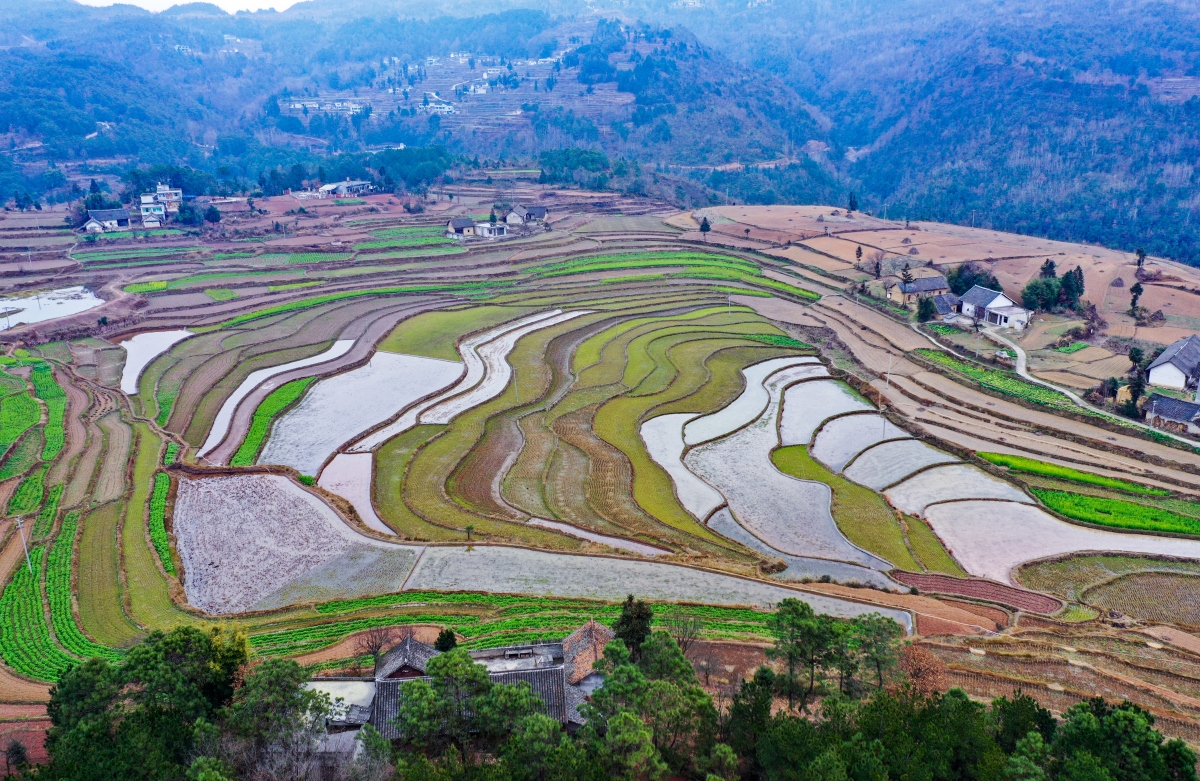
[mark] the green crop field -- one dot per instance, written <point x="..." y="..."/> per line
<point x="1034" y="467"/>
<point x="1117" y="513"/>
<point x="260" y="425"/>
<point x="1001" y="381"/>
<point x="1074" y="347"/>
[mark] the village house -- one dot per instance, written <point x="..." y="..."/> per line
<point x="460" y="226"/>
<point x="105" y="220"/>
<point x="348" y="187"/>
<point x="170" y="197"/>
<point x="1178" y="366"/>
<point x="521" y="215"/>
<point x="491" y="230"/>
<point x="154" y="212"/>
<point x="911" y="292"/>
<point x="946" y="305"/>
<point x="992" y="307"/>
<point x="1181" y="417"/>
<point x="562" y="674"/>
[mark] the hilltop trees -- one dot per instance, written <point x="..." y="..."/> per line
<point x="1049" y="291"/>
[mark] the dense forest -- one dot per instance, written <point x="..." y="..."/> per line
<point x="1075" y="120"/>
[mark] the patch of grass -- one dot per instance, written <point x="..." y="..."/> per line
<point x="436" y="334"/>
<point x="1117" y="513"/>
<point x="58" y="593"/>
<point x="220" y="293"/>
<point x="1034" y="467"/>
<point x="24" y="456"/>
<point x="929" y="549"/>
<point x="99" y="579"/>
<point x="861" y="514"/>
<point x="1074" y="347"/>
<point x="273" y="405"/>
<point x="1002" y="382"/>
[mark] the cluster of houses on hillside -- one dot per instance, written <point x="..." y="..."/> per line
<point x="153" y="211"/>
<point x="979" y="303"/>
<point x="1176" y="368"/>
<point x="562" y="674"/>
<point x="461" y="227"/>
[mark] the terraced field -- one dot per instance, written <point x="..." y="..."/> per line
<point x="507" y="438"/>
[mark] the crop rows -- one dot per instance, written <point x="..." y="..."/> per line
<point x="279" y="399"/>
<point x="1000" y="381"/>
<point x="220" y="293"/>
<point x="146" y="287"/>
<point x="171" y="455"/>
<point x="17" y="413"/>
<point x="45" y="518"/>
<point x="1074" y="347"/>
<point x="58" y="593"/>
<point x="49" y="391"/>
<point x="1035" y="467"/>
<point x="24" y="455"/>
<point x="435" y="231"/>
<point x="318" y="257"/>
<point x="294" y="286"/>
<point x="1117" y="513"/>
<point x="125" y="254"/>
<point x="158" y="520"/>
<point x="28" y="496"/>
<point x="25" y="641"/>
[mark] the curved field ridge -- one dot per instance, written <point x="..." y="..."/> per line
<point x="990" y="539"/>
<point x="790" y="515"/>
<point x="140" y="350"/>
<point x="987" y="590"/>
<point x="349" y="476"/>
<point x="476" y="369"/>
<point x="949" y="484"/>
<point x="496" y="370"/>
<point x="522" y="571"/>
<point x="798" y="567"/>
<point x="841" y="439"/>
<point x="340" y="408"/>
<point x="807" y="405"/>
<point x="890" y="462"/>
<point x="603" y="539"/>
<point x="664" y="442"/>
<point x="746" y="408"/>
<point x="259" y="542"/>
<point x="220" y="426"/>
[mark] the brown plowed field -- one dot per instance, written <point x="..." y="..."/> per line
<point x="76" y="432"/>
<point x="985" y="590"/>
<point x="111" y="482"/>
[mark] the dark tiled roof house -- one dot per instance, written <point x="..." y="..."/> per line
<point x="1178" y="366"/>
<point x="1182" y="417"/>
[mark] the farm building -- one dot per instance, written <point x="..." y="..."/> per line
<point x="560" y="673"/>
<point x="154" y="212"/>
<point x="992" y="306"/>
<point x="1179" y="365"/>
<point x="1182" y="417"/>
<point x="910" y="292"/>
<point x="170" y="197"/>
<point x="348" y="187"/>
<point x="491" y="230"/>
<point x="523" y="214"/>
<point x="460" y="226"/>
<point x="104" y="220"/>
<point x="946" y="305"/>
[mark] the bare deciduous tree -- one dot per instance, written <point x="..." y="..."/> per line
<point x="375" y="642"/>
<point x="684" y="629"/>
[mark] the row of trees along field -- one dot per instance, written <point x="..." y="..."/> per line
<point x="835" y="706"/>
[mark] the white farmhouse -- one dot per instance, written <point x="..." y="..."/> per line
<point x="154" y="212"/>
<point x="992" y="306"/>
<point x="491" y="230"/>
<point x="1179" y="365"/>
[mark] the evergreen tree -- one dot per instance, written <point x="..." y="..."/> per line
<point x="446" y="640"/>
<point x="1135" y="293"/>
<point x="926" y="310"/>
<point x="633" y="626"/>
<point x="1049" y="270"/>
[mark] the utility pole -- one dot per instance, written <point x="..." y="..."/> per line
<point x="21" y="531"/>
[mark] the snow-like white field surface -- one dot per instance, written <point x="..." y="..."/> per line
<point x="949" y="484"/>
<point x="807" y="405"/>
<point x="790" y="515"/>
<point x="989" y="539"/>
<point x="798" y="567"/>
<point x="349" y="476"/>
<point x="496" y="371"/>
<point x="521" y="571"/>
<point x="140" y="350"/>
<point x="241" y="537"/>
<point x="603" y="539"/>
<point x="841" y="439"/>
<point x="891" y="462"/>
<point x="474" y="372"/>
<point x="664" y="441"/>
<point x="337" y="409"/>
<point x="220" y="425"/>
<point x="46" y="305"/>
<point x="747" y="406"/>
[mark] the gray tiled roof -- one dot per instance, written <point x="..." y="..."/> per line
<point x="458" y="223"/>
<point x="536" y="212"/>
<point x="925" y="285"/>
<point x="1184" y="354"/>
<point x="106" y="215"/>
<point x="980" y="296"/>
<point x="945" y="303"/>
<point x="409" y="652"/>
<point x="1172" y="409"/>
<point x="583" y="647"/>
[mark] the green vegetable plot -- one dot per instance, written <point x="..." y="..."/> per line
<point x="280" y="399"/>
<point x="1034" y="467"/>
<point x="25" y="641"/>
<point x="158" y="527"/>
<point x="1117" y="513"/>
<point x="1001" y="381"/>
<point x="58" y="592"/>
